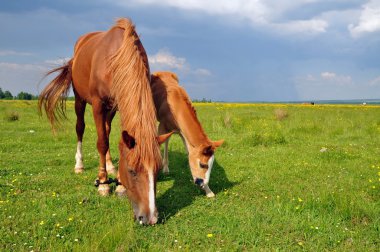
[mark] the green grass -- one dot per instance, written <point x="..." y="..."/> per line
<point x="275" y="188"/>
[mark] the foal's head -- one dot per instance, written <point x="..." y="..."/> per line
<point x="201" y="159"/>
<point x="139" y="175"/>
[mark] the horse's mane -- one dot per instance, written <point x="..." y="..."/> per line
<point x="133" y="97"/>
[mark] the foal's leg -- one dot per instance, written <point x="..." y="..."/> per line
<point x="109" y="166"/>
<point x="99" y="112"/>
<point x="165" y="160"/>
<point x="80" y="107"/>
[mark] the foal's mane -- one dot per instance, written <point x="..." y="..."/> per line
<point x="133" y="97"/>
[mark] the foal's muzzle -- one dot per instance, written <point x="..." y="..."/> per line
<point x="199" y="182"/>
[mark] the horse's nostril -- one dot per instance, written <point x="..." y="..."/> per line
<point x="199" y="181"/>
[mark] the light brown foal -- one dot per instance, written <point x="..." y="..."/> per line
<point x="175" y="113"/>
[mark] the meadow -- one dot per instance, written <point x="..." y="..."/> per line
<point x="288" y="177"/>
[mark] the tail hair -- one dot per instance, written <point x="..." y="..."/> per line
<point x="53" y="98"/>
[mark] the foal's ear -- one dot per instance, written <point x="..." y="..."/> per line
<point x="128" y="140"/>
<point x="162" y="138"/>
<point x="218" y="143"/>
<point x="208" y="150"/>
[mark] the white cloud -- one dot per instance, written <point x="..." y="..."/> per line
<point x="335" y="79"/>
<point x="312" y="26"/>
<point x="265" y="14"/>
<point x="375" y="82"/>
<point x="369" y="20"/>
<point x="325" y="78"/>
<point x="5" y="66"/>
<point x="202" y="72"/>
<point x="57" y="62"/>
<point x="329" y="85"/>
<point x="14" y="53"/>
<point x="328" y="75"/>
<point x="21" y="77"/>
<point x="165" y="60"/>
<point x="29" y="77"/>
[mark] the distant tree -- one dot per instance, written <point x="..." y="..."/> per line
<point x="24" y="96"/>
<point x="204" y="100"/>
<point x="8" y="95"/>
<point x="1" y="94"/>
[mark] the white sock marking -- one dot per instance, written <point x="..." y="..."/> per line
<point x="78" y="156"/>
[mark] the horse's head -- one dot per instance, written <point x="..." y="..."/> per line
<point x="138" y="175"/>
<point x="201" y="159"/>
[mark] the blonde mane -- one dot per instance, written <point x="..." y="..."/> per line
<point x="133" y="97"/>
<point x="185" y="98"/>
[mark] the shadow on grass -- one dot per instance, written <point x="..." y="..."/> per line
<point x="184" y="191"/>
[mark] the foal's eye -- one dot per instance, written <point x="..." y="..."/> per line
<point x="132" y="172"/>
<point x="202" y="165"/>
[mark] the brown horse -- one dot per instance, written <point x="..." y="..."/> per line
<point x="175" y="113"/>
<point x="110" y="70"/>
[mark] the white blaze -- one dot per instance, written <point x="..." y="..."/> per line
<point x="207" y="176"/>
<point x="152" y="205"/>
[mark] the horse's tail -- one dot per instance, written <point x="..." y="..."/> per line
<point x="132" y="92"/>
<point x="53" y="97"/>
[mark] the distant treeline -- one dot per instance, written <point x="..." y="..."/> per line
<point x="7" y="95"/>
<point x="203" y="100"/>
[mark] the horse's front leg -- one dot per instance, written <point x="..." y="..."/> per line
<point x="99" y="112"/>
<point x="109" y="165"/>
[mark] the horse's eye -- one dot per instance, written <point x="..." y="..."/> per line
<point x="132" y="172"/>
<point x="202" y="165"/>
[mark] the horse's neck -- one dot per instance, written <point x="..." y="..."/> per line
<point x="189" y="126"/>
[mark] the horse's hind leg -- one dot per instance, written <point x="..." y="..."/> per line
<point x="109" y="166"/>
<point x="80" y="107"/>
<point x="100" y="113"/>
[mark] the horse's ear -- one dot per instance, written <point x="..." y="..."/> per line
<point x="218" y="143"/>
<point x="128" y="140"/>
<point x="162" y="138"/>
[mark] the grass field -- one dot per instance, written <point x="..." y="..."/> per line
<point x="289" y="177"/>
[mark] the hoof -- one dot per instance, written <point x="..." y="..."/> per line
<point x="210" y="195"/>
<point x="165" y="170"/>
<point x="78" y="170"/>
<point x="121" y="191"/>
<point x="208" y="192"/>
<point x="104" y="190"/>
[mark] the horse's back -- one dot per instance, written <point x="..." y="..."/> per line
<point x="91" y="77"/>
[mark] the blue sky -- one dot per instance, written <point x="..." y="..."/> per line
<point x="240" y="50"/>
